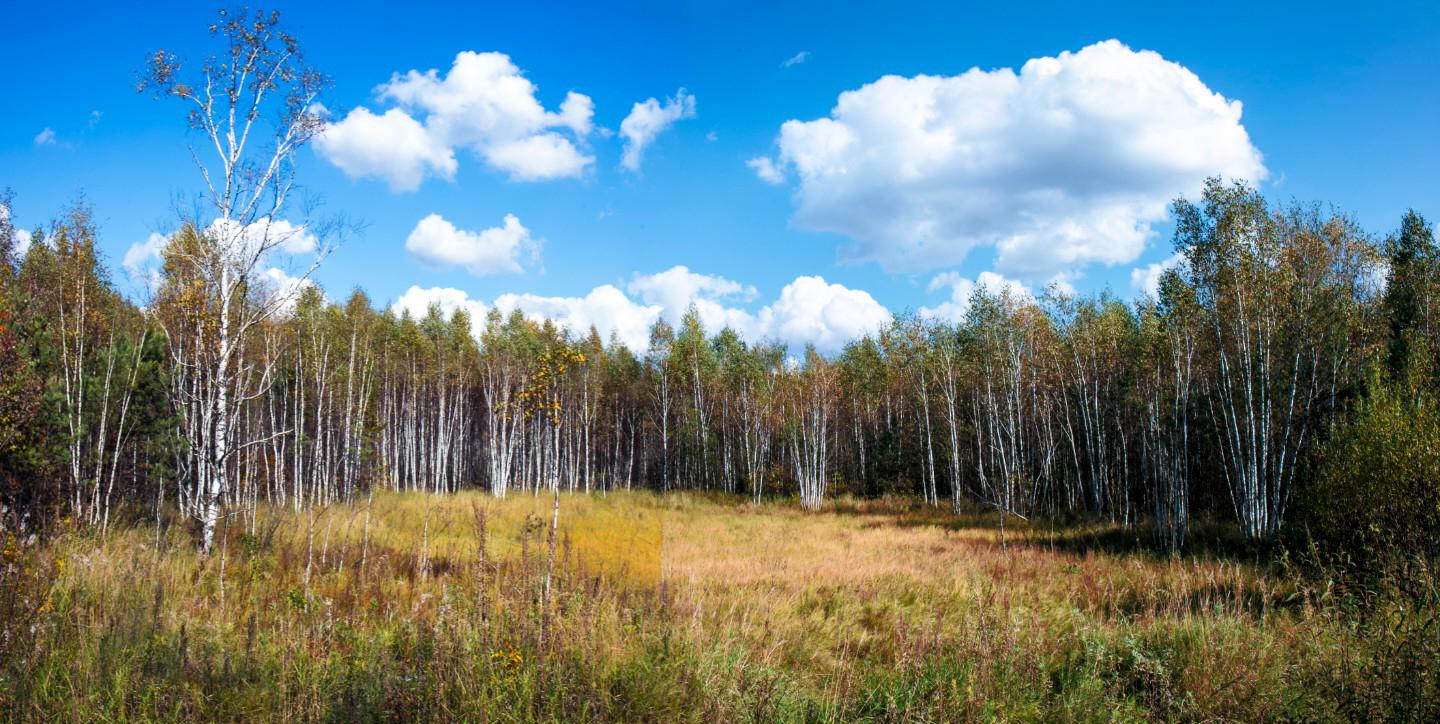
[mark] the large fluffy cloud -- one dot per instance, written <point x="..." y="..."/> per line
<point x="809" y="310"/>
<point x="497" y="250"/>
<point x="605" y="308"/>
<point x="1067" y="162"/>
<point x="391" y="146"/>
<point x="483" y="103"/>
<point x="647" y="120"/>
<point x="677" y="289"/>
<point x="417" y="302"/>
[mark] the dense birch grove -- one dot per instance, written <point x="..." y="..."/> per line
<point x="1208" y="400"/>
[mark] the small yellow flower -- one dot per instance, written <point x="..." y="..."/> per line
<point x="508" y="660"/>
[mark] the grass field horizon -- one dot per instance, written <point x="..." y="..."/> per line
<point x="671" y="607"/>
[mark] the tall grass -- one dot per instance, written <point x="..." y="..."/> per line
<point x="682" y="608"/>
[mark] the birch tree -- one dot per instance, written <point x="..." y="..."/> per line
<point x="810" y="410"/>
<point x="1279" y="292"/>
<point x="1167" y="384"/>
<point x="252" y="105"/>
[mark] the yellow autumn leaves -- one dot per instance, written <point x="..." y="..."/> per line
<point x="538" y="396"/>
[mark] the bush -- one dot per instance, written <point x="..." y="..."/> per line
<point x="1376" y="497"/>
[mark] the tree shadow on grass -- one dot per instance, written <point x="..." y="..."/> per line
<point x="1206" y="539"/>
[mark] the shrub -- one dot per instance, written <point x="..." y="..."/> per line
<point x="1376" y="497"/>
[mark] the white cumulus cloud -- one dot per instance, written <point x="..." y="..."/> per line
<point x="142" y="260"/>
<point x="285" y="288"/>
<point x="416" y="302"/>
<point x="22" y="238"/>
<point x="391" y="146"/>
<point x="1146" y="279"/>
<point x="45" y="137"/>
<point x="647" y="120"/>
<point x="483" y="103"/>
<point x="963" y="289"/>
<point x="276" y="235"/>
<point x="497" y="250"/>
<point x="677" y="289"/>
<point x="606" y="308"/>
<point x="809" y="310"/>
<point x="812" y="311"/>
<point x="22" y="243"/>
<point x="1067" y="162"/>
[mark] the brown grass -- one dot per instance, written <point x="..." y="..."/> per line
<point x="679" y="607"/>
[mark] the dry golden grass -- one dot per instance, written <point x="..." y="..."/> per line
<point x="679" y="607"/>
<point x="834" y="593"/>
<point x="608" y="534"/>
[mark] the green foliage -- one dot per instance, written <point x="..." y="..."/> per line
<point x="29" y="425"/>
<point x="1410" y="289"/>
<point x="21" y="461"/>
<point x="1376" y="497"/>
<point x="1389" y="667"/>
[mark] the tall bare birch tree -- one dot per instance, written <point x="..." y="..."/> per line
<point x="251" y="104"/>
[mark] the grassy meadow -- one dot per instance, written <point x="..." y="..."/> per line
<point x="689" y="608"/>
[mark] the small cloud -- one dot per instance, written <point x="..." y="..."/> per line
<point x="711" y="137"/>
<point x="95" y="118"/>
<point x="497" y="250"/>
<point x="142" y="261"/>
<point x="766" y="169"/>
<point x="45" y="137"/>
<point x="286" y="288"/>
<point x="1146" y="279"/>
<point x="796" y="59"/>
<point x="22" y="243"/>
<point x="649" y="119"/>
<point x="1063" y="283"/>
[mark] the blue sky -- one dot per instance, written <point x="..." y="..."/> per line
<point x="1340" y="104"/>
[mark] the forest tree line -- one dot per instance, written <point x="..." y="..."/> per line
<point x="1288" y="357"/>
<point x="1215" y="398"/>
